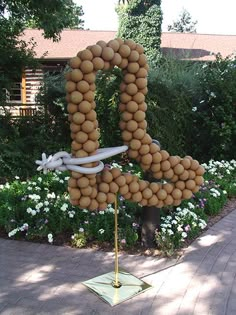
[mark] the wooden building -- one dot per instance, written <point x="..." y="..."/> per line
<point x="53" y="56"/>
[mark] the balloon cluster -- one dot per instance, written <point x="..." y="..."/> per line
<point x="182" y="176"/>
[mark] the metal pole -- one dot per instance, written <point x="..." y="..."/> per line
<point x="116" y="283"/>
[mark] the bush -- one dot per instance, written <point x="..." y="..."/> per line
<point x="23" y="140"/>
<point x="175" y="228"/>
<point x="224" y="173"/>
<point x="184" y="223"/>
<point x="172" y="86"/>
<point x="107" y="100"/>
<point x="39" y="209"/>
<point x="213" y="131"/>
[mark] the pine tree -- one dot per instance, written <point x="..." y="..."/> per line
<point x="184" y="24"/>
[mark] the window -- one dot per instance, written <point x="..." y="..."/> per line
<point x="15" y="94"/>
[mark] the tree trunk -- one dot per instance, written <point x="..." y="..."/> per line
<point x="151" y="221"/>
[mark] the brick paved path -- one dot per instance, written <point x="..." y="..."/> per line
<point x="43" y="279"/>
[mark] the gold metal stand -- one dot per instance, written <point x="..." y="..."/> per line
<point x="116" y="286"/>
<point x="116" y="283"/>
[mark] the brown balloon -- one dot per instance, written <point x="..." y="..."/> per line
<point x="95" y="191"/>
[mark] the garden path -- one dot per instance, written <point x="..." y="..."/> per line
<point x="43" y="279"/>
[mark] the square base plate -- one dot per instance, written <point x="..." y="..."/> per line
<point x="130" y="287"/>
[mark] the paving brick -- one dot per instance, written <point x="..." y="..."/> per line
<point x="40" y="279"/>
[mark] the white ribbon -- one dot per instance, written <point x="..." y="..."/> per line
<point x="64" y="161"/>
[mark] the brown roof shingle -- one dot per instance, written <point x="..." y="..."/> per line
<point x="182" y="45"/>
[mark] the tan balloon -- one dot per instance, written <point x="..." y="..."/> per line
<point x="96" y="50"/>
<point x="75" y="62"/>
<point x="76" y="97"/>
<point x="114" y="44"/>
<point x="137" y="197"/>
<point x="98" y="63"/>
<point x="184" y="174"/>
<point x="124" y="51"/>
<point x="107" y="53"/>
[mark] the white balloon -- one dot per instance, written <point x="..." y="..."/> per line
<point x="101" y="155"/>
<point x="62" y="161"/>
<point x="86" y="170"/>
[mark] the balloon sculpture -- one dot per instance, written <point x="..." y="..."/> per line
<point x="92" y="186"/>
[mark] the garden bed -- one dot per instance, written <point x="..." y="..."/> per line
<point x="39" y="210"/>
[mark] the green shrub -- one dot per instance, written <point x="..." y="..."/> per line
<point x="185" y="223"/>
<point x="213" y="129"/>
<point x="224" y="173"/>
<point x="39" y="209"/>
<point x="175" y="228"/>
<point x="23" y="140"/>
<point x="107" y="100"/>
<point x="172" y="86"/>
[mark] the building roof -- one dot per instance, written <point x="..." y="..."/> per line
<point x="181" y="45"/>
<point x="198" y="46"/>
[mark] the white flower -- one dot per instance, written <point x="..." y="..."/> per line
<point x="46" y="203"/>
<point x="191" y="206"/>
<point x="34" y="197"/>
<point x="46" y="209"/>
<point x="28" y="210"/>
<point x="50" y="238"/>
<point x="174" y="222"/>
<point x="81" y="230"/>
<point x="33" y="212"/>
<point x="17" y="177"/>
<point x="179" y="228"/>
<point x="71" y="214"/>
<point x="101" y="212"/>
<point x="64" y="207"/>
<point x="24" y="227"/>
<point x="184" y="234"/>
<point x="52" y="195"/>
<point x="39" y="205"/>
<point x="170" y="232"/>
<point x="202" y="224"/>
<point x="40" y="179"/>
<point x="101" y="231"/>
<point x="13" y="232"/>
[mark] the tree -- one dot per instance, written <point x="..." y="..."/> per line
<point x="141" y="21"/>
<point x="51" y="16"/>
<point x="184" y="24"/>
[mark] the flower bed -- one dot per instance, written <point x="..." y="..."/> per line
<point x="39" y="209"/>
